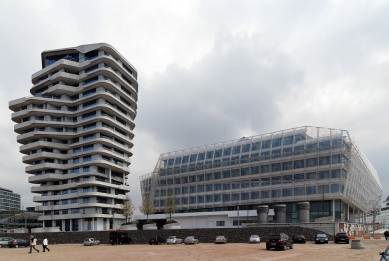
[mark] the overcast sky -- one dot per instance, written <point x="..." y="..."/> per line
<point x="246" y="67"/>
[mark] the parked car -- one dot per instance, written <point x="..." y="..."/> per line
<point x="299" y="239"/>
<point x="91" y="241"/>
<point x="321" y="238"/>
<point x="384" y="254"/>
<point x="191" y="240"/>
<point x="174" y="240"/>
<point x="4" y="241"/>
<point x="18" y="243"/>
<point x="157" y="240"/>
<point x="254" y="239"/>
<point x="119" y="238"/>
<point x="279" y="241"/>
<point x="221" y="240"/>
<point x="342" y="237"/>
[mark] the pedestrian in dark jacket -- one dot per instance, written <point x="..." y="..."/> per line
<point x="386" y="234"/>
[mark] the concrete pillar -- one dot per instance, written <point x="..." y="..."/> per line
<point x="280" y="213"/>
<point x="303" y="212"/>
<point x="333" y="210"/>
<point x="109" y="175"/>
<point x="262" y="214"/>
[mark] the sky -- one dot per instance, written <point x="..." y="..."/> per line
<point x="213" y="70"/>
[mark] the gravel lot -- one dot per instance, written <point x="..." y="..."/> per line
<point x="309" y="251"/>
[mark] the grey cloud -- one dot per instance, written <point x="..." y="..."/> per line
<point x="232" y="86"/>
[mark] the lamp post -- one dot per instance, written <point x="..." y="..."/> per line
<point x="237" y="204"/>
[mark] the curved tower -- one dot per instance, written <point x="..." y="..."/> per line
<point x="76" y="132"/>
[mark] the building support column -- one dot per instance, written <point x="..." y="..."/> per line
<point x="333" y="210"/>
<point x="109" y="176"/>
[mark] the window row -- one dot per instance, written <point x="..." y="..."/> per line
<point x="299" y="177"/>
<point x="254" y="195"/>
<point x="224" y="186"/>
<point x="287" y="165"/>
<point x="296" y="150"/>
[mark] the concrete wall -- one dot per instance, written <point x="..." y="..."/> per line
<point x="207" y="235"/>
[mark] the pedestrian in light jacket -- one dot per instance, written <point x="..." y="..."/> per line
<point x="33" y="244"/>
<point x="44" y="244"/>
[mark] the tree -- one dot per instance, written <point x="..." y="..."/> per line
<point x="127" y="208"/>
<point x="170" y="205"/>
<point x="147" y="207"/>
<point x="14" y="215"/>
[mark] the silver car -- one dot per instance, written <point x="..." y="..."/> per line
<point x="4" y="241"/>
<point x="191" y="240"/>
<point x="221" y="240"/>
<point x="91" y="242"/>
<point x="254" y="239"/>
<point x="174" y="240"/>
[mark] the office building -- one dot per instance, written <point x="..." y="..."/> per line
<point x="9" y="200"/>
<point x="321" y="166"/>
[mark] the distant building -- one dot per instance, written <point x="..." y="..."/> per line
<point x="9" y="200"/>
<point x="322" y="166"/>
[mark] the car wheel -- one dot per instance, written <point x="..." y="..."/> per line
<point x="1" y="246"/>
<point x="348" y="242"/>
<point x="16" y="246"/>
<point x="291" y="246"/>
<point x="267" y="248"/>
<point x="284" y="247"/>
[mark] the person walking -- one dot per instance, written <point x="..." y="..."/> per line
<point x="44" y="244"/>
<point x="33" y="244"/>
<point x="386" y="234"/>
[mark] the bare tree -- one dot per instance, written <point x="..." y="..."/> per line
<point x="14" y="215"/>
<point x="127" y="208"/>
<point x="170" y="205"/>
<point x="147" y="207"/>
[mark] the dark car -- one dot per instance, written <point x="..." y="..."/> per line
<point x="384" y="254"/>
<point x="321" y="238"/>
<point x="342" y="237"/>
<point x="119" y="238"/>
<point x="299" y="239"/>
<point x="279" y="241"/>
<point x="157" y="240"/>
<point x="18" y="243"/>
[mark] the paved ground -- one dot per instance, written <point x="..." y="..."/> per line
<point x="309" y="251"/>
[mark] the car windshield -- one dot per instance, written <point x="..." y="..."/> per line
<point x="342" y="234"/>
<point x="220" y="237"/>
<point x="274" y="237"/>
<point x="321" y="235"/>
<point x="87" y="239"/>
<point x="299" y="236"/>
<point x="255" y="236"/>
<point x="171" y="237"/>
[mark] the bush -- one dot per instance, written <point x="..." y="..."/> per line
<point x="128" y="223"/>
<point x="171" y="222"/>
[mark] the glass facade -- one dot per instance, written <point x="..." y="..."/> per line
<point x="302" y="164"/>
